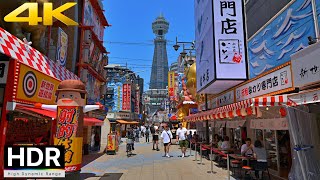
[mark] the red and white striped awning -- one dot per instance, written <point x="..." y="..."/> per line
<point x="240" y="109"/>
<point x="17" y="49"/>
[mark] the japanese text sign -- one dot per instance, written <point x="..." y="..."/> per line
<point x="306" y="98"/>
<point x="67" y="126"/>
<point x="34" y="86"/>
<point x="275" y="81"/>
<point x="270" y="124"/>
<point x="306" y="66"/>
<point x="220" y="44"/>
<point x="171" y="83"/>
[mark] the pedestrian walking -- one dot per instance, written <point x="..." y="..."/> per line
<point x="166" y="136"/>
<point x="147" y="134"/>
<point x="97" y="141"/>
<point x="137" y="134"/>
<point x="155" y="137"/>
<point x="181" y="136"/>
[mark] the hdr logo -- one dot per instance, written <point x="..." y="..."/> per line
<point x="34" y="161"/>
<point x="48" y="14"/>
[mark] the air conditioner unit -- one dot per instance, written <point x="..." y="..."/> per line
<point x="84" y="75"/>
<point x="87" y="37"/>
<point x="86" y="55"/>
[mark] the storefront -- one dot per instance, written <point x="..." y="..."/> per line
<point x="29" y="78"/>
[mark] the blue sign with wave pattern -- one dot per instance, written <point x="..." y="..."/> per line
<point x="284" y="36"/>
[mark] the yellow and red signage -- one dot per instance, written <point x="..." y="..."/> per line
<point x="67" y="126"/>
<point x="171" y="83"/>
<point x="35" y="87"/>
<point x="126" y="97"/>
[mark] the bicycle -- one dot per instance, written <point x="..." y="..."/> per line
<point x="129" y="147"/>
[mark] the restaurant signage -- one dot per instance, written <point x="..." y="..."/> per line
<point x="224" y="99"/>
<point x="306" y="66"/>
<point x="220" y="124"/>
<point x="306" y="98"/>
<point x="235" y="124"/>
<point x="270" y="124"/>
<point x="220" y="45"/>
<point x="35" y="87"/>
<point x="62" y="47"/>
<point x="275" y="81"/>
<point x="126" y="97"/>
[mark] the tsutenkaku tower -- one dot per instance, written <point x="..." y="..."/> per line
<point x="160" y="67"/>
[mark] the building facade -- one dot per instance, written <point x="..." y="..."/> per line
<point x="159" y="72"/>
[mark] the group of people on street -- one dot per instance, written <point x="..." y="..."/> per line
<point x="165" y="134"/>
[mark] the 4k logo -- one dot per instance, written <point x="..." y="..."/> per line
<point x="48" y="14"/>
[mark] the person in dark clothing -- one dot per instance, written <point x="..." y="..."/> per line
<point x="97" y="141"/>
<point x="147" y="134"/>
<point x="130" y="135"/>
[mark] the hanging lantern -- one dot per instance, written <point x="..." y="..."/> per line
<point x="283" y="112"/>
<point x="249" y="111"/>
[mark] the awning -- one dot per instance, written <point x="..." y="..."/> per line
<point x="17" y="49"/>
<point x="90" y="121"/>
<point x="47" y="113"/>
<point x="305" y="97"/>
<point x="241" y="109"/>
<point x="127" y="122"/>
<point x="235" y="124"/>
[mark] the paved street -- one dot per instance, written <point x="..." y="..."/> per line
<point x="148" y="164"/>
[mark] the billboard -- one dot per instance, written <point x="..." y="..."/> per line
<point x="285" y="35"/>
<point x="62" y="47"/>
<point x="220" y="45"/>
<point x="126" y="97"/>
<point x="91" y="18"/>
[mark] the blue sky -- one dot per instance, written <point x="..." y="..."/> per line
<point x="130" y="38"/>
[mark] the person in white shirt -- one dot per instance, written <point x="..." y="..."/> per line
<point x="181" y="136"/>
<point x="166" y="136"/>
<point x="225" y="144"/>
<point x="247" y="148"/>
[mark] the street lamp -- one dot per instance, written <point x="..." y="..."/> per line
<point x="184" y="53"/>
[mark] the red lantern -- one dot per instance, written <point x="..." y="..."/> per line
<point x="249" y="111"/>
<point x="283" y="112"/>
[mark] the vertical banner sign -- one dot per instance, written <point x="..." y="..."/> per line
<point x="171" y="83"/>
<point x="118" y="99"/>
<point x="137" y="105"/>
<point x="124" y="96"/>
<point x="220" y="45"/>
<point x="62" y="47"/>
<point x="66" y="135"/>
<point x="129" y="97"/>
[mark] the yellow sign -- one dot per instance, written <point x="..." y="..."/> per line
<point x="67" y="126"/>
<point x="36" y="87"/>
<point x="48" y="14"/>
<point x="171" y="83"/>
<point x="111" y="143"/>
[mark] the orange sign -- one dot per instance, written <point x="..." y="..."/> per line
<point x="67" y="125"/>
<point x="36" y="87"/>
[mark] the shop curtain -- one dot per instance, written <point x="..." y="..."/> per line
<point x="304" y="130"/>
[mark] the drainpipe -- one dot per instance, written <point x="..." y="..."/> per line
<point x="315" y="17"/>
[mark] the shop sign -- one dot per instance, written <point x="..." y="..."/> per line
<point x="275" y="81"/>
<point x="126" y="97"/>
<point x="111" y="143"/>
<point x="270" y="124"/>
<point x="137" y="103"/>
<point x="306" y="98"/>
<point x="220" y="45"/>
<point x="171" y="83"/>
<point x="66" y="135"/>
<point x="123" y="115"/>
<point x="220" y="124"/>
<point x="225" y="99"/>
<point x="110" y="115"/>
<point x="62" y="47"/>
<point x="306" y="66"/>
<point x="235" y="124"/>
<point x="36" y="87"/>
<point x="284" y="35"/>
<point x="4" y="66"/>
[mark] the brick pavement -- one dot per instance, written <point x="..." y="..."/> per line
<point x="148" y="165"/>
